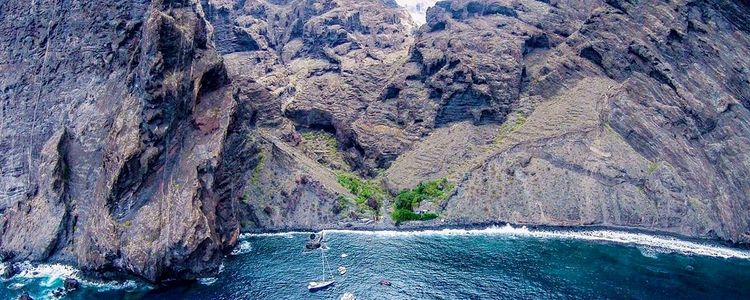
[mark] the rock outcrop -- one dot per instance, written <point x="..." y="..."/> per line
<point x="143" y="136"/>
<point x="114" y="120"/>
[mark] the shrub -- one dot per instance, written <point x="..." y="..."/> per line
<point x="364" y="190"/>
<point x="652" y="167"/>
<point x="431" y="190"/>
<point x="255" y="178"/>
<point x="322" y="136"/>
<point x="509" y="127"/>
<point x="343" y="202"/>
<point x="404" y="215"/>
<point x="409" y="199"/>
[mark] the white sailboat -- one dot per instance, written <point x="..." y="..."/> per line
<point x="325" y="282"/>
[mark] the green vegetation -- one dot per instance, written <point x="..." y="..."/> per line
<point x="652" y="167"/>
<point x="369" y="196"/>
<point x="368" y="193"/>
<point x="609" y="128"/>
<point x="509" y="127"/>
<point x="343" y="202"/>
<point x="404" y="215"/>
<point x="323" y="147"/>
<point x="409" y="199"/>
<point x="431" y="190"/>
<point x="255" y="179"/>
<point x="321" y="136"/>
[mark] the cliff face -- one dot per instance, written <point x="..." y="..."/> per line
<point x="114" y="118"/>
<point x="143" y="136"/>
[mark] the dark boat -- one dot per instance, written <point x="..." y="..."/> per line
<point x="385" y="282"/>
<point x="315" y="241"/>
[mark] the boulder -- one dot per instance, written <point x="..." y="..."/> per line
<point x="71" y="284"/>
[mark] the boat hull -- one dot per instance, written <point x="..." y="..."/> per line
<point x="319" y="285"/>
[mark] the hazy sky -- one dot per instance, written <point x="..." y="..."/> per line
<point x="417" y="8"/>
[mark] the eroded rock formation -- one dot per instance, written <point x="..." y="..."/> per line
<point x="143" y="136"/>
<point x="114" y="121"/>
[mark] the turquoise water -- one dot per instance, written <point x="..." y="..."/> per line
<point x="496" y="263"/>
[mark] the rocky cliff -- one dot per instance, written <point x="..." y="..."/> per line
<point x="143" y="136"/>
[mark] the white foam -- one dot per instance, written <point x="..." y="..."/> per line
<point x="16" y="285"/>
<point x="657" y="243"/>
<point x="242" y="248"/>
<point x="55" y="273"/>
<point x="649" y="252"/>
<point x="207" y="280"/>
<point x="51" y="272"/>
<point x="114" y="285"/>
<point x="272" y="234"/>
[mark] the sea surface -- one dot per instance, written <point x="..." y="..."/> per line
<point x="492" y="263"/>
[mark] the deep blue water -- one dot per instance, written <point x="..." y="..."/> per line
<point x="499" y="263"/>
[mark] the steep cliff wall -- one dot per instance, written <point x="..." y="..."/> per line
<point x="114" y="116"/>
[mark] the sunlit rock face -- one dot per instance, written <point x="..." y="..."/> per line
<point x="417" y="9"/>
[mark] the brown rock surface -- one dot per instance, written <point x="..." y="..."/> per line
<point x="114" y="117"/>
<point x="142" y="136"/>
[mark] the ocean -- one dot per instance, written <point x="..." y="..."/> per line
<point x="501" y="262"/>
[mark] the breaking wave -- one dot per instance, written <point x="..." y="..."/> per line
<point x="653" y="242"/>
<point x="243" y="247"/>
<point x="289" y="234"/>
<point x="53" y="275"/>
<point x="207" y="280"/>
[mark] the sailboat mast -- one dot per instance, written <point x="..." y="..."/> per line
<point x="323" y="258"/>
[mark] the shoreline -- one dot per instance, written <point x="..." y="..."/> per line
<point x="376" y="227"/>
<point x="672" y="243"/>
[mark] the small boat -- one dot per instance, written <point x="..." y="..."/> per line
<point x="348" y="296"/>
<point x="385" y="282"/>
<point x="315" y="241"/>
<point x="319" y="285"/>
<point x="342" y="270"/>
